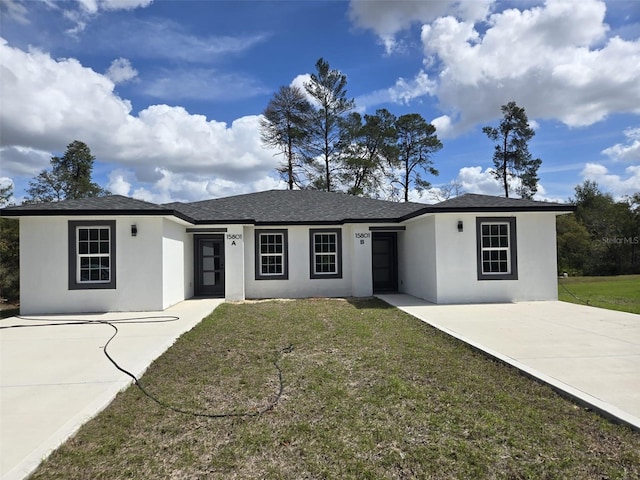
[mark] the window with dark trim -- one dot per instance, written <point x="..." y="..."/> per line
<point x="92" y="255"/>
<point x="325" y="249"/>
<point x="272" y="259"/>
<point x="497" y="250"/>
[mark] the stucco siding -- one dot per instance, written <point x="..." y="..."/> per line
<point x="299" y="284"/>
<point x="362" y="275"/>
<point x="234" y="252"/>
<point x="457" y="275"/>
<point x="173" y="256"/>
<point x="417" y="259"/>
<point x="44" y="267"/>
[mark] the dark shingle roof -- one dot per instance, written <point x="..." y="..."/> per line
<point x="472" y="202"/>
<point x="281" y="207"/>
<point x="109" y="205"/>
<point x="294" y="206"/>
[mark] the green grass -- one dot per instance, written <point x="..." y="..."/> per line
<point x="369" y="393"/>
<point x="615" y="293"/>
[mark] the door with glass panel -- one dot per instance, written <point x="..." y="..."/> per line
<point x="384" y="262"/>
<point x="209" y="266"/>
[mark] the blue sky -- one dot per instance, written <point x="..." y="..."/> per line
<point x="167" y="94"/>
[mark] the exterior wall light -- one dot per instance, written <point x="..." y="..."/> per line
<point x="460" y="226"/>
<point x="134" y="230"/>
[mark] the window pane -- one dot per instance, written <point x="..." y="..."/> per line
<point x="93" y="254"/>
<point x="325" y="264"/>
<point x="207" y="263"/>
<point x="494" y="229"/>
<point x="485" y="229"/>
<point x="272" y="265"/>
<point x="209" y="278"/>
<point x="503" y="229"/>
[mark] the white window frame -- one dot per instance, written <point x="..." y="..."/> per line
<point x="337" y="254"/>
<point x="260" y="256"/>
<point x="95" y="255"/>
<point x="510" y="249"/>
<point x="76" y="254"/>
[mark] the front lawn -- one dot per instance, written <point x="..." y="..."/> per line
<point x="369" y="393"/>
<point x="615" y="293"/>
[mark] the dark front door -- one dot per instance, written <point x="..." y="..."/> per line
<point x="209" y="266"/>
<point x="384" y="262"/>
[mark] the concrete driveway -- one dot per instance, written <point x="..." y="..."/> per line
<point x="591" y="354"/>
<point x="53" y="379"/>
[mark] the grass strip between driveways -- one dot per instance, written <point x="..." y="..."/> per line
<point x="614" y="293"/>
<point x="369" y="393"/>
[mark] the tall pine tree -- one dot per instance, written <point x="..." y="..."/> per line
<point x="511" y="156"/>
<point x="285" y="125"/>
<point x="328" y="88"/>
<point x="69" y="177"/>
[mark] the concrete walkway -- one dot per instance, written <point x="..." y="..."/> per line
<point x="53" y="379"/>
<point x="591" y="354"/>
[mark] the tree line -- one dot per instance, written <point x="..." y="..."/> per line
<point x="602" y="237"/>
<point x="326" y="145"/>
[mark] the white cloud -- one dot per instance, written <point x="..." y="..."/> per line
<point x="119" y="183"/>
<point x="18" y="160"/>
<point x="89" y="9"/>
<point x="118" y="4"/>
<point x="167" y="39"/>
<point x="68" y="101"/>
<point x="121" y="71"/>
<point x="389" y="17"/>
<point x="629" y="152"/>
<point x="15" y="10"/>
<point x="300" y="81"/>
<point x="614" y="184"/>
<point x="553" y="60"/>
<point x="443" y="126"/>
<point x="202" y="84"/>
<point x="405" y="91"/>
<point x="475" y="180"/>
<point x="172" y="186"/>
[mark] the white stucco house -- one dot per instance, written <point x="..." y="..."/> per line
<point x="116" y="253"/>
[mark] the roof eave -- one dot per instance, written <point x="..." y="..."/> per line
<point x="280" y="223"/>
<point x="95" y="213"/>
<point x="523" y="208"/>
